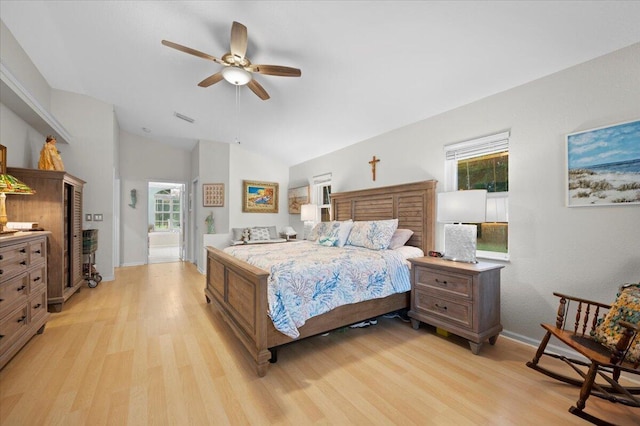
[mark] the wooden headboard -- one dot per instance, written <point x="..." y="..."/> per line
<point x="413" y="204"/>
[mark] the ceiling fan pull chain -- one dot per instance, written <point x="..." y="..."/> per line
<point x="238" y="115"/>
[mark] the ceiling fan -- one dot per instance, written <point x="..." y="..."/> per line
<point x="237" y="68"/>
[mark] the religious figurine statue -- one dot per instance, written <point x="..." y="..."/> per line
<point x="210" y="225"/>
<point x="50" y="156"/>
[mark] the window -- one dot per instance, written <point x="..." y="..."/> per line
<point x="167" y="210"/>
<point x="484" y="164"/>
<point x="322" y="188"/>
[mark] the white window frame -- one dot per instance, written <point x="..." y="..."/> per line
<point x="319" y="183"/>
<point x="491" y="144"/>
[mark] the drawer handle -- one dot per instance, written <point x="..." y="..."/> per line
<point x="37" y="306"/>
<point x="22" y="318"/>
<point x="1" y="257"/>
<point x="441" y="282"/>
<point x="36" y="279"/>
<point x="441" y="307"/>
<point x="1" y="272"/>
<point x="24" y="263"/>
<point x="23" y="250"/>
<point x="38" y="251"/>
<point x="22" y="287"/>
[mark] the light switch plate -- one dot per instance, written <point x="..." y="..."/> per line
<point x="87" y="217"/>
<point x="97" y="217"/>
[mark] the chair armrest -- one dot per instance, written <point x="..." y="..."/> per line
<point x="582" y="300"/>
<point x="633" y="327"/>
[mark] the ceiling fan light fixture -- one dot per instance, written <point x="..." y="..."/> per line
<point x="236" y="75"/>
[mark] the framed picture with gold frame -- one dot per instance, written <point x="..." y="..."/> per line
<point x="213" y="194"/>
<point x="297" y="197"/>
<point x="3" y="159"/>
<point x="259" y="197"/>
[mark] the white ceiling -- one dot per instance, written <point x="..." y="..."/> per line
<point x="368" y="67"/>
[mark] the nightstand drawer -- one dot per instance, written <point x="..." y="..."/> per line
<point x="459" y="312"/>
<point x="456" y="284"/>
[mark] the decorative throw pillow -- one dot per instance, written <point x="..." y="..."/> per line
<point x="625" y="308"/>
<point x="374" y="235"/>
<point x="317" y="230"/>
<point x="260" y="234"/>
<point x="236" y="234"/>
<point x="336" y="231"/>
<point x="400" y="238"/>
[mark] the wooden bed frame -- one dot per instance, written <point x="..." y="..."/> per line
<point x="239" y="290"/>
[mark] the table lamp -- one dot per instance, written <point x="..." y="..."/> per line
<point x="10" y="185"/>
<point x="289" y="232"/>
<point x="308" y="216"/>
<point x="455" y="208"/>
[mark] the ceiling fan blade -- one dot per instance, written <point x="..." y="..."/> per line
<point x="238" y="40"/>
<point x="190" y="51"/>
<point x="275" y="70"/>
<point x="212" y="79"/>
<point x="258" y="90"/>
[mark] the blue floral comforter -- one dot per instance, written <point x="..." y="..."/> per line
<point x="307" y="279"/>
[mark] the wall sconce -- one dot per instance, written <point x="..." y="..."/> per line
<point x="308" y="216"/>
<point x="457" y="207"/>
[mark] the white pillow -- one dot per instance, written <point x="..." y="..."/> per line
<point x="259" y="234"/>
<point x="317" y="230"/>
<point x="373" y="234"/>
<point x="400" y="238"/>
<point x="409" y="251"/>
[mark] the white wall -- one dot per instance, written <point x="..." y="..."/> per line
<point x="142" y="160"/>
<point x="583" y="251"/>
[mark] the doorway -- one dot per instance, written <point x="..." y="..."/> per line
<point x="166" y="222"/>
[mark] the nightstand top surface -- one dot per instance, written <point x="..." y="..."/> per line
<point x="453" y="265"/>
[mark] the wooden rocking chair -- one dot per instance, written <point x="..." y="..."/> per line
<point x="604" y="360"/>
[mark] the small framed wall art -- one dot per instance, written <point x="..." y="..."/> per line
<point x="603" y="166"/>
<point x="298" y="197"/>
<point x="259" y="197"/>
<point x="213" y="194"/>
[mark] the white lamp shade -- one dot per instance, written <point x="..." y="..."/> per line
<point x="288" y="230"/>
<point x="236" y="75"/>
<point x="308" y="212"/>
<point x="462" y="206"/>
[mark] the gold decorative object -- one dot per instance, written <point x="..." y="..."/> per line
<point x="10" y="185"/>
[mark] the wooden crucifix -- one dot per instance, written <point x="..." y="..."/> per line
<point x="373" y="163"/>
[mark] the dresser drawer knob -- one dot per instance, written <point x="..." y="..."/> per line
<point x="1" y="272"/>
<point x="441" y="282"/>
<point x="24" y="263"/>
<point x="37" y="306"/>
<point x="22" y="318"/>
<point x="441" y="307"/>
<point x="1" y="257"/>
<point x="36" y="279"/>
<point x="38" y="251"/>
<point x="22" y="287"/>
<point x="23" y="250"/>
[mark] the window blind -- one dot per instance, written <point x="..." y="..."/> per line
<point x="477" y="147"/>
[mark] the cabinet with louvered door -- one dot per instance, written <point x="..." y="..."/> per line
<point x="57" y="207"/>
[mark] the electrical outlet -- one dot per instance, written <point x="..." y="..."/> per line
<point x="97" y="217"/>
<point x="87" y="217"/>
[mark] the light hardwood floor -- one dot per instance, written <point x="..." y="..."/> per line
<point x="147" y="349"/>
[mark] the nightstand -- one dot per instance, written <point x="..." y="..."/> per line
<point x="461" y="298"/>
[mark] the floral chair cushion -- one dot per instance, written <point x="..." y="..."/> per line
<point x="626" y="308"/>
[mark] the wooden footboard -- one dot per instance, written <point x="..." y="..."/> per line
<point x="239" y="290"/>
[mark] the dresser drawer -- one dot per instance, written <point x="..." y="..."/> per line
<point x="457" y="285"/>
<point x="38" y="305"/>
<point x="12" y="290"/>
<point x="454" y="311"/>
<point x="37" y="278"/>
<point x="13" y="260"/>
<point x="12" y="325"/>
<point x="37" y="251"/>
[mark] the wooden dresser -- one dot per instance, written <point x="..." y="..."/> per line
<point x="57" y="207"/>
<point x="23" y="290"/>
<point x="461" y="298"/>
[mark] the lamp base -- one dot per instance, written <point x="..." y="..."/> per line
<point x="460" y="243"/>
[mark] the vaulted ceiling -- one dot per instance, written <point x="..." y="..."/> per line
<point x="368" y="67"/>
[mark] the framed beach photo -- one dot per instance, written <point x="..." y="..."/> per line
<point x="298" y="197"/>
<point x="259" y="197"/>
<point x="603" y="166"/>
